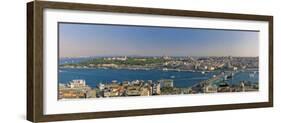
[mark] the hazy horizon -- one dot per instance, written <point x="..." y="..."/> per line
<point x="96" y="40"/>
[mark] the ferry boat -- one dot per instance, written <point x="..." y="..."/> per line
<point x="251" y="75"/>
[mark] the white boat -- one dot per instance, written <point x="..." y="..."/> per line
<point x="165" y="69"/>
<point x="252" y="75"/>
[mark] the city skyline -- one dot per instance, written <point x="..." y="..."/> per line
<point x="77" y="40"/>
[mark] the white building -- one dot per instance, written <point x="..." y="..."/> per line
<point x="101" y="86"/>
<point x="77" y="84"/>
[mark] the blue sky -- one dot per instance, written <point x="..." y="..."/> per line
<point x="109" y="40"/>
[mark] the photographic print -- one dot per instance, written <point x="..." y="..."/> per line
<point x="107" y="60"/>
<point x="98" y="61"/>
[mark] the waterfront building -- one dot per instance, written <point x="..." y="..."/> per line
<point x="110" y="93"/>
<point x="210" y="68"/>
<point x="158" y="89"/>
<point x="101" y="86"/>
<point x="133" y="91"/>
<point x="155" y="89"/>
<point x="122" y="58"/>
<point x="145" y="91"/>
<point x="91" y="94"/>
<point x="111" y="85"/>
<point x="125" y="83"/>
<point x="196" y="67"/>
<point x="62" y="85"/>
<point x="166" y="83"/>
<point x="136" y="82"/>
<point x="149" y="81"/>
<point x="74" y="89"/>
<point x="167" y="57"/>
<point x="77" y="84"/>
<point x="229" y="66"/>
<point x="224" y="87"/>
<point x="210" y="89"/>
<point x="106" y="93"/>
<point x="69" y="93"/>
<point x="109" y="65"/>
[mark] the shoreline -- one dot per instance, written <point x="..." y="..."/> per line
<point x="205" y="76"/>
<point x="147" y="69"/>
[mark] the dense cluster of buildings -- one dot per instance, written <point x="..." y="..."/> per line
<point x="215" y="84"/>
<point x="167" y="63"/>
<point x="79" y="89"/>
<point x="209" y="63"/>
<point x="76" y="89"/>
